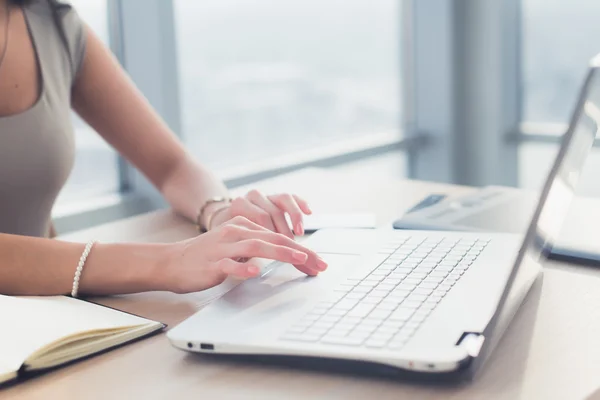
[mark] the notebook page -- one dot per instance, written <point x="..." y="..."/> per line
<point x="30" y="323"/>
<point x="7" y="369"/>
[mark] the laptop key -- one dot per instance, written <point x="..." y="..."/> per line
<point x="360" y="289"/>
<point x="435" y="298"/>
<point x="394" y="280"/>
<point x="437" y="274"/>
<point x="417" y="275"/>
<point x="316" y="331"/>
<point x="323" y="325"/>
<point x="329" y="318"/>
<point x="311" y="317"/>
<point x="411" y="304"/>
<point x="387" y="330"/>
<point x="447" y="283"/>
<point x="453" y="275"/>
<point x="388" y="306"/>
<point x="387" y="268"/>
<point x="428" y="306"/>
<point x="369" y="321"/>
<point x="324" y="304"/>
<point x="427" y="285"/>
<point x="404" y="269"/>
<point x="416" y="319"/>
<point x="386" y="286"/>
<point x="372" y="300"/>
<point x="355" y="296"/>
<point x="380" y="314"/>
<point x="433" y="279"/>
<point x="411" y="281"/>
<point x="345" y="304"/>
<point x="401" y="314"/>
<point x="422" y="291"/>
<point x="361" y="310"/>
<point x="365" y="328"/>
<point x="424" y="269"/>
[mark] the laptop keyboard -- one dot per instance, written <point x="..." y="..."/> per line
<point x="383" y="306"/>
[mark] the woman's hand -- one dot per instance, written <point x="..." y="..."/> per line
<point x="266" y="211"/>
<point x="205" y="261"/>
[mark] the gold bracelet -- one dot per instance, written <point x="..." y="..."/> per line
<point x="219" y="199"/>
<point x="212" y="216"/>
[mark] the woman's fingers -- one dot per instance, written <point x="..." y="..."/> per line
<point x="303" y="204"/>
<point x="288" y="204"/>
<point x="277" y="215"/>
<point x="243" y="207"/>
<point x="245" y="270"/>
<point x="312" y="265"/>
<point x="258" y="248"/>
<point x="238" y="269"/>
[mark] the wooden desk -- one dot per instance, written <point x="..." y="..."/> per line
<point x="551" y="350"/>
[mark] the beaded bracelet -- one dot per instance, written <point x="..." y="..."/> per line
<point x="84" y="255"/>
<point x="202" y="228"/>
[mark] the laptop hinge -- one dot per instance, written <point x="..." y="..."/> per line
<point x="472" y="342"/>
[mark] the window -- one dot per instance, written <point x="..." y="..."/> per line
<point x="559" y="38"/>
<point x="95" y="172"/>
<point x="266" y="78"/>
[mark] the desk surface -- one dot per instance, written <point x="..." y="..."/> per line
<point x="550" y="351"/>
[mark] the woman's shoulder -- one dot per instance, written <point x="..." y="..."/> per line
<point x="55" y="4"/>
<point x="45" y="7"/>
<point x="60" y="18"/>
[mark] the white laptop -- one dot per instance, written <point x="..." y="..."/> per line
<point x="414" y="303"/>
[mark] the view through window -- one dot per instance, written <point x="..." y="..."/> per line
<point x="267" y="78"/>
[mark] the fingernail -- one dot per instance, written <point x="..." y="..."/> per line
<point x="253" y="270"/>
<point x="308" y="209"/>
<point x="299" y="256"/>
<point x="300" y="229"/>
<point x="321" y="264"/>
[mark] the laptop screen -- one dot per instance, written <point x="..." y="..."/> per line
<point x="562" y="181"/>
<point x="556" y="196"/>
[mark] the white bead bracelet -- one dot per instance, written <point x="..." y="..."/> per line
<point x="84" y="255"/>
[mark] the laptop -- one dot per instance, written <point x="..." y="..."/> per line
<point x="427" y="304"/>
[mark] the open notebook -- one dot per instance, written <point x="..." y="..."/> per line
<point x="44" y="332"/>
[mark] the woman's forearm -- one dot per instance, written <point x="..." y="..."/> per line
<point x="36" y="266"/>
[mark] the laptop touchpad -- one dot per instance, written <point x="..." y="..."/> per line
<point x="284" y="281"/>
<point x="281" y="290"/>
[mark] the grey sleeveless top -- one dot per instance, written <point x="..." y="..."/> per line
<point x="37" y="146"/>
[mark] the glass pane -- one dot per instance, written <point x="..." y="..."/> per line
<point x="270" y="77"/>
<point x="536" y="159"/>
<point x="95" y="172"/>
<point x="559" y="39"/>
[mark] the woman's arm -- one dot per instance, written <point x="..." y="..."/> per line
<point x="39" y="266"/>
<point x="107" y="99"/>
